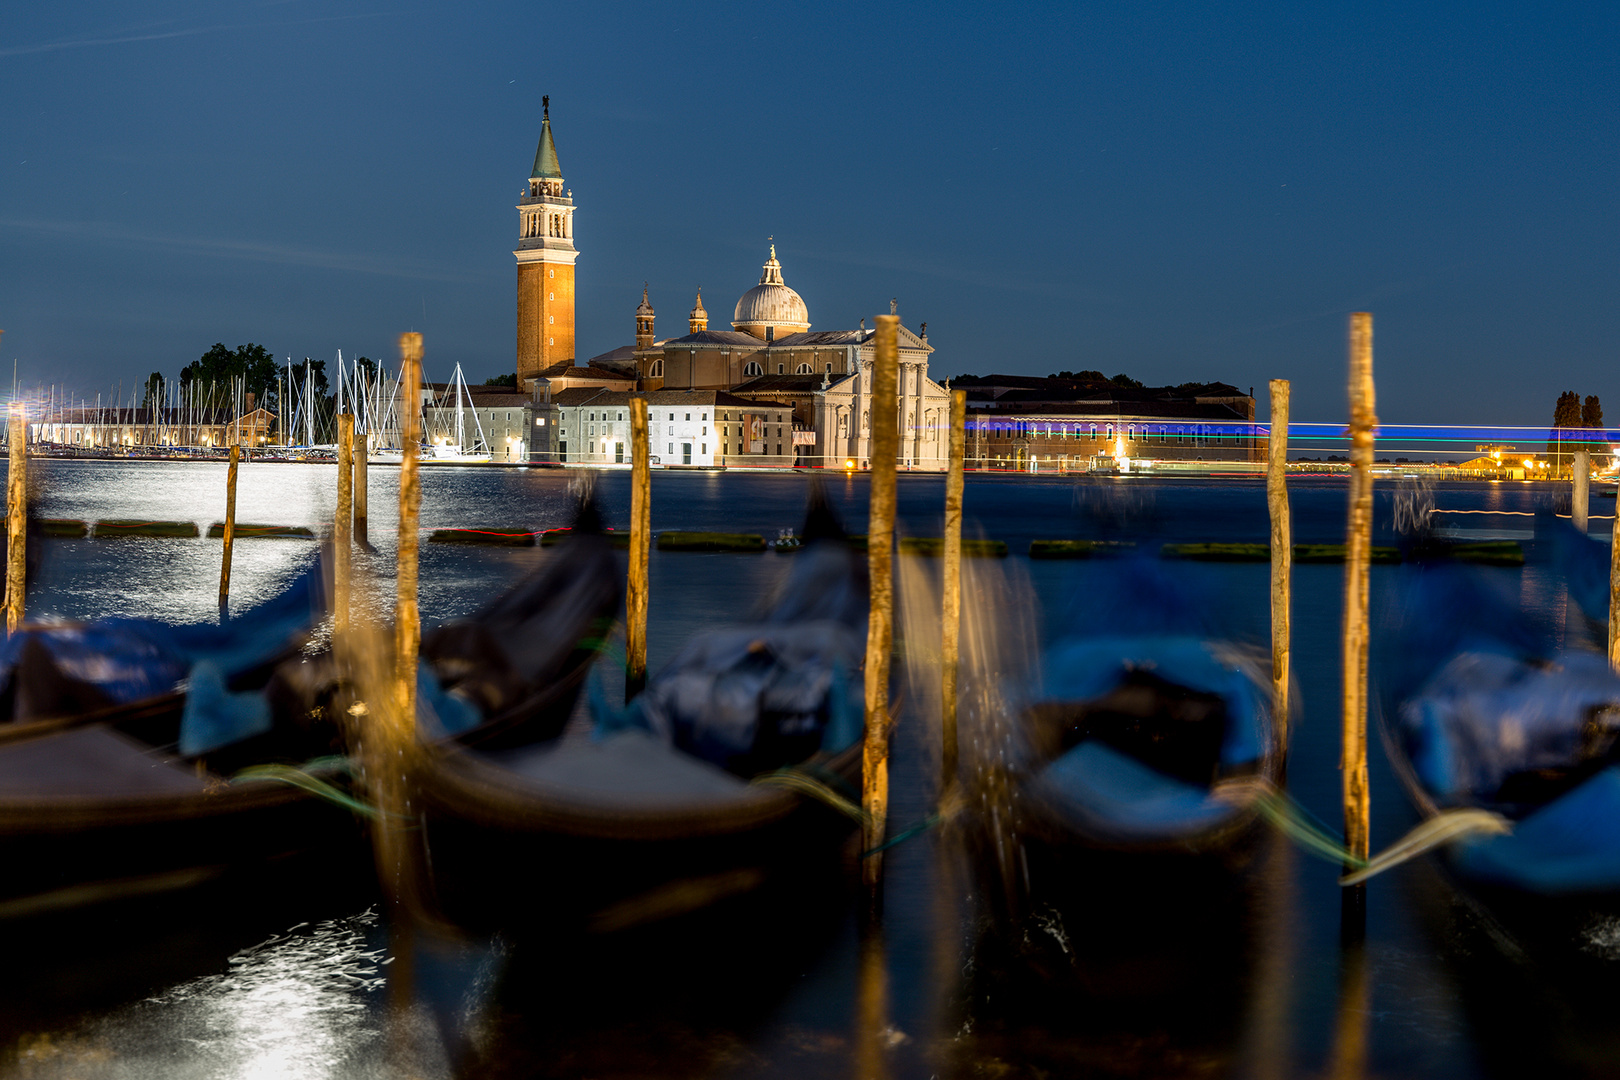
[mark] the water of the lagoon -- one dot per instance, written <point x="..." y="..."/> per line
<point x="299" y="988"/>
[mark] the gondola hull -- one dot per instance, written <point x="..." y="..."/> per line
<point x="502" y="854"/>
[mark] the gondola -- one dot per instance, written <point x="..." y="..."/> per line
<point x="141" y="756"/>
<point x="1118" y="839"/>
<point x="689" y="796"/>
<point x="120" y="741"/>
<point x="1488" y="716"/>
<point x="1482" y="711"/>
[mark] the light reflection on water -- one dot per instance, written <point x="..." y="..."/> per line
<point x="303" y="1005"/>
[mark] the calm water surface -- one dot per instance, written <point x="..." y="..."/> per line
<point x="205" y="987"/>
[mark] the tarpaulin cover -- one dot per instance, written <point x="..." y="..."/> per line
<point x="1119" y="798"/>
<point x="1487" y="715"/>
<point x="762" y="695"/>
<point x="1083" y="669"/>
<point x="1571" y="845"/>
<point x="751" y="698"/>
<point x="49" y="669"/>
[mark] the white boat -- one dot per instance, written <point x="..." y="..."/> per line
<point x="448" y="445"/>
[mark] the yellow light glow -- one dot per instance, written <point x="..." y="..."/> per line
<point x="1119" y="447"/>
<point x="849" y="464"/>
<point x="1529" y="464"/>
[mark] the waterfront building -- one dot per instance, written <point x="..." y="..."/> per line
<point x="1019" y="422"/>
<point x="109" y="428"/>
<point x="699" y="428"/>
<point x="502" y="413"/>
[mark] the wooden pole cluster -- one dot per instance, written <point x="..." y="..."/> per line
<point x="1282" y="554"/>
<point x="17" y="521"/>
<point x="407" y="619"/>
<point x="1580" y="497"/>
<point x="343" y="524"/>
<point x="885" y="446"/>
<point x="1358" y="551"/>
<point x="230" y="533"/>
<point x="950" y="638"/>
<point x="635" y="596"/>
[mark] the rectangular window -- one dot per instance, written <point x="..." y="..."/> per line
<point x="671" y="448"/>
<point x="705" y="430"/>
<point x="704" y="449"/>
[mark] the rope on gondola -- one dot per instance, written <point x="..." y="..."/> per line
<point x="302" y="779"/>
<point x="1448" y="826"/>
<point x="803" y="783"/>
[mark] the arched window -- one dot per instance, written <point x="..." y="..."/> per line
<point x="829" y="367"/>
<point x="656" y="370"/>
<point x="753" y="368"/>
<point x="804" y="369"/>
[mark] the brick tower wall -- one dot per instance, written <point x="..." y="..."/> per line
<point x="545" y="317"/>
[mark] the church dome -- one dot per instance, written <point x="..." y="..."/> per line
<point x="771" y="310"/>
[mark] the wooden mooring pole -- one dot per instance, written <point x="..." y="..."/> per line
<point x="950" y="638"/>
<point x="230" y="534"/>
<point x="1282" y="555"/>
<point x="343" y="524"/>
<point x="635" y="596"/>
<point x="885" y="444"/>
<point x="407" y="619"/>
<point x="17" y="520"/>
<point x="1614" y="594"/>
<point x="362" y="452"/>
<point x="1580" y="496"/>
<point x="1358" y="551"/>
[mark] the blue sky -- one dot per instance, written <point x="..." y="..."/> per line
<point x="1179" y="192"/>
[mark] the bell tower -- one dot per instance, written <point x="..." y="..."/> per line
<point x="644" y="321"/>
<point x="698" y="319"/>
<point x="545" y="263"/>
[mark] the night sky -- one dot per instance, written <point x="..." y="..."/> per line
<point x="1178" y="192"/>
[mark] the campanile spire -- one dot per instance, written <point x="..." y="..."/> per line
<point x="545" y="261"/>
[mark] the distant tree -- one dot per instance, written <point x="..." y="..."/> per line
<point x="220" y="371"/>
<point x="1126" y="381"/>
<point x="1566" y="418"/>
<point x="1592" y="419"/>
<point x="502" y="380"/>
<point x="154" y="390"/>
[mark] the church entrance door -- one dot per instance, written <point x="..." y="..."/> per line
<point x="686" y="453"/>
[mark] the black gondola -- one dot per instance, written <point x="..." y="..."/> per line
<point x="115" y="781"/>
<point x="660" y="810"/>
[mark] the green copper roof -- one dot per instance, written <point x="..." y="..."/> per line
<point x="545" y="155"/>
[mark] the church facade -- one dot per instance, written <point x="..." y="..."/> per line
<point x="770" y="359"/>
<point x="771" y="354"/>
